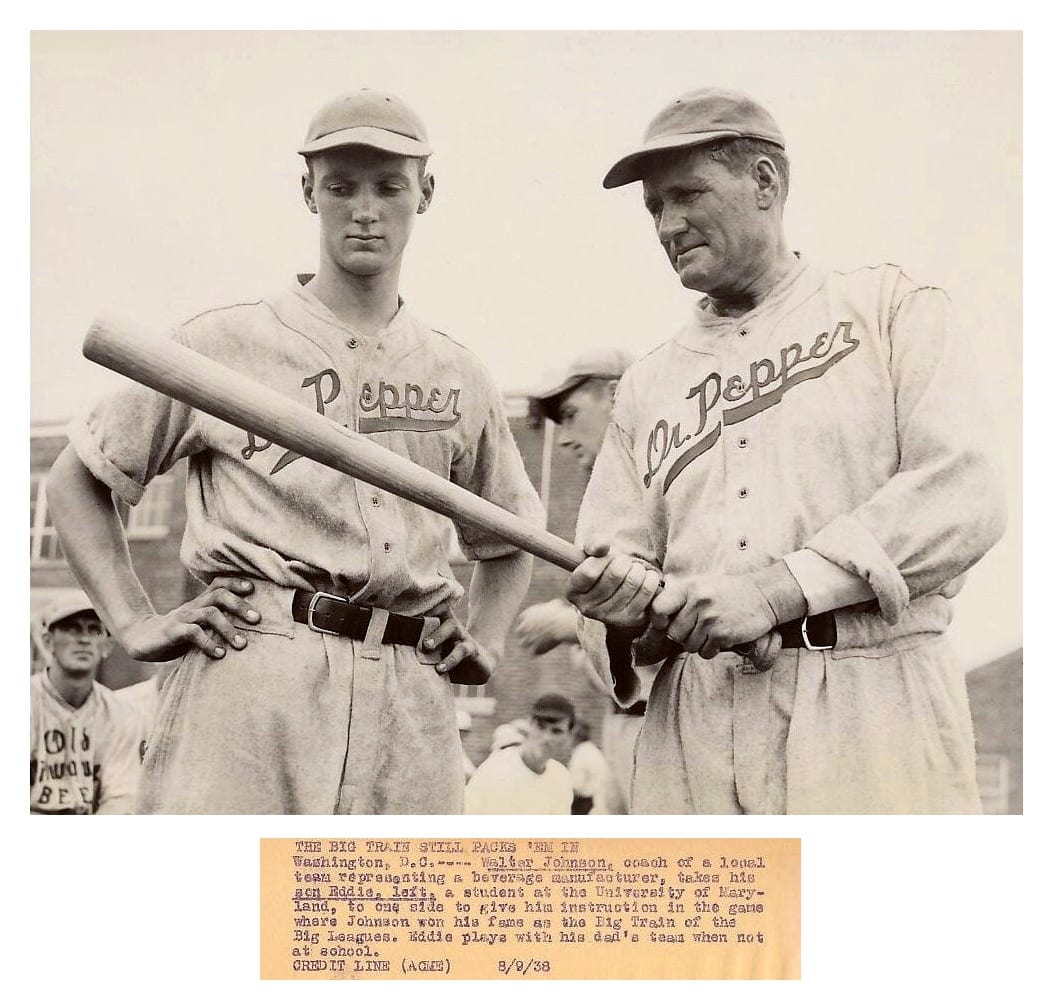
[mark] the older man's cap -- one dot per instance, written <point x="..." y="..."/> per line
<point x="553" y="708"/>
<point x="603" y="364"/>
<point x="367" y="118"/>
<point x="702" y="116"/>
<point x="66" y="606"/>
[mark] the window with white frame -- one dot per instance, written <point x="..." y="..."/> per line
<point x="44" y="546"/>
<point x="151" y="517"/>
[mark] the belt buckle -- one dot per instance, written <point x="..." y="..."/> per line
<point x="808" y="644"/>
<point x="310" y="611"/>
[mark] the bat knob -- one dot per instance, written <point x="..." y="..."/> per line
<point x="653" y="647"/>
<point x="763" y="652"/>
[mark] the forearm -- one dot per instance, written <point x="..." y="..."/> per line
<point x="94" y="542"/>
<point x="495" y="595"/>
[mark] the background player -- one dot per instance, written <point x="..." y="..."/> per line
<point x="528" y="777"/>
<point x="580" y="405"/>
<point x="808" y="442"/>
<point x="83" y="747"/>
<point x="328" y="601"/>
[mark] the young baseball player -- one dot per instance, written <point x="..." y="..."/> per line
<point x="807" y="451"/>
<point x="319" y="654"/>
<point x="528" y="777"/>
<point x="83" y="744"/>
<point x="580" y="406"/>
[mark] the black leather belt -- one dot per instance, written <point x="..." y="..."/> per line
<point x="815" y="632"/>
<point x="638" y="709"/>
<point x="333" y="615"/>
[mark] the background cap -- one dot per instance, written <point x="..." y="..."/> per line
<point x="702" y="116"/>
<point x="75" y="602"/>
<point x="367" y="118"/>
<point x="553" y="707"/>
<point x="607" y="363"/>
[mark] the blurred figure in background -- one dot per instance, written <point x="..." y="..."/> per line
<point x="580" y="406"/>
<point x="589" y="773"/>
<point x="464" y="726"/>
<point x="527" y="777"/>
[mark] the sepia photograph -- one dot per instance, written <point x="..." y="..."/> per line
<point x="526" y="424"/>
<point x="352" y="305"/>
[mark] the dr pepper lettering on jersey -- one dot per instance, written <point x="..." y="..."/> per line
<point x="747" y="394"/>
<point x="400" y="406"/>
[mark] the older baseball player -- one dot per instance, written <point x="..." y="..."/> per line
<point x="807" y="451"/>
<point x="580" y="406"/>
<point x="83" y="744"/>
<point x="318" y="657"/>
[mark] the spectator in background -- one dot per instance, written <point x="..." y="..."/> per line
<point x="464" y="727"/>
<point x="528" y="777"/>
<point x="580" y="406"/>
<point x="83" y="747"/>
<point x="589" y="773"/>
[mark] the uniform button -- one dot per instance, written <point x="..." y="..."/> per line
<point x="743" y="544"/>
<point x="376" y="502"/>
<point x="743" y="492"/>
<point x="744" y="442"/>
<point x="387" y="546"/>
<point x="352" y="343"/>
<point x="744" y="332"/>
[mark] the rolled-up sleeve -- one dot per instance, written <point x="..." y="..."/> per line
<point x="131" y="435"/>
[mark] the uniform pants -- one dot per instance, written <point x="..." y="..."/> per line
<point x="881" y="724"/>
<point x="300" y="722"/>
<point x="619" y="747"/>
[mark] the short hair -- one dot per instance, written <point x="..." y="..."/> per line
<point x="422" y="167"/>
<point x="739" y="153"/>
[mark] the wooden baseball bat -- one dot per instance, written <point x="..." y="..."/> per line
<point x="211" y="387"/>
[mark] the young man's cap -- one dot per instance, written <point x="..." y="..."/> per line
<point x="553" y="708"/>
<point x="66" y="606"/>
<point x="702" y="116"/>
<point x="367" y="118"/>
<point x="604" y="364"/>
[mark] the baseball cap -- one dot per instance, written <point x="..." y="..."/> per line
<point x="702" y="116"/>
<point x="65" y="606"/>
<point x="607" y="364"/>
<point x="367" y="118"/>
<point x="553" y="708"/>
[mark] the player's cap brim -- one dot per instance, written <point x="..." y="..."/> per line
<point x="632" y="166"/>
<point x="368" y="136"/>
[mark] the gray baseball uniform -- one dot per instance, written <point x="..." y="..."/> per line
<point x="298" y="722"/>
<point x="83" y="759"/>
<point x="839" y="418"/>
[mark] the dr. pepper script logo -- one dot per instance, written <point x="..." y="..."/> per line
<point x="398" y="406"/>
<point x="762" y="388"/>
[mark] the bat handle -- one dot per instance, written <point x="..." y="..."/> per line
<point x="654" y="647"/>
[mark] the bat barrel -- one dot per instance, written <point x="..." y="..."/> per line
<point x="211" y="387"/>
